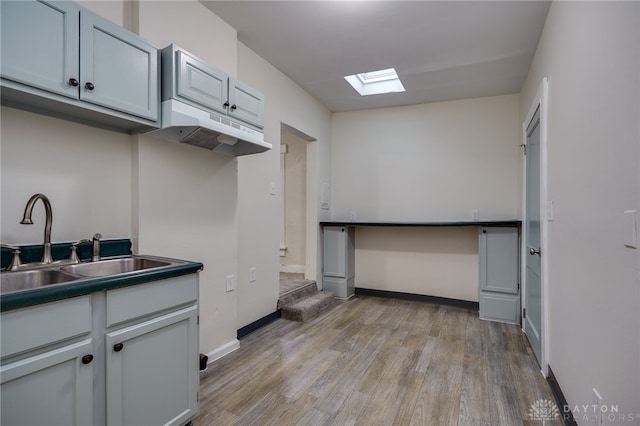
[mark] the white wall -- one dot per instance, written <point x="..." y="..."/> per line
<point x="590" y="53"/>
<point x="427" y="162"/>
<point x="187" y="196"/>
<point x="85" y="172"/>
<point x="259" y="212"/>
<point x="295" y="200"/>
<point x="439" y="262"/>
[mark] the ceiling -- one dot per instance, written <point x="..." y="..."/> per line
<point x="442" y="50"/>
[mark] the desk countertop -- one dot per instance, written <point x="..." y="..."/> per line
<point x="513" y="222"/>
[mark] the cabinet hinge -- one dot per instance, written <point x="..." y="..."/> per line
<point x="198" y="396"/>
<point x="524" y="312"/>
<point x="518" y="286"/>
<point x="198" y="317"/>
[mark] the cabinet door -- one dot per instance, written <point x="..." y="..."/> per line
<point x="53" y="388"/>
<point x="40" y="44"/>
<point x="118" y="69"/>
<point x="246" y="103"/>
<point x="498" y="253"/>
<point x="335" y="251"/>
<point x="200" y="83"/>
<point x="152" y="378"/>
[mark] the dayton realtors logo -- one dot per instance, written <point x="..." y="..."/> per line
<point x="544" y="410"/>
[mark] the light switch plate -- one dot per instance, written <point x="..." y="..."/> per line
<point x="231" y="282"/>
<point x="272" y="188"/>
<point x="550" y="210"/>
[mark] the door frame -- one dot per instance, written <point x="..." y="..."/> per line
<point x="539" y="101"/>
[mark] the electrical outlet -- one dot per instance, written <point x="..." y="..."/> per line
<point x="352" y="215"/>
<point x="597" y="408"/>
<point x="252" y="275"/>
<point x="475" y="214"/>
<point x="231" y="282"/>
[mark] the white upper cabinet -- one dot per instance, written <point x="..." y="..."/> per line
<point x="189" y="79"/>
<point x="60" y="59"/>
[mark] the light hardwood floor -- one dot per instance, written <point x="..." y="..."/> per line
<point x="374" y="361"/>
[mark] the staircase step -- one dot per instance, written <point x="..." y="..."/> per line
<point x="308" y="307"/>
<point x="305" y="288"/>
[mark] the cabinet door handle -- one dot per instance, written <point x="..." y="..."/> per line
<point x="87" y="359"/>
<point x="118" y="347"/>
<point x="73" y="82"/>
<point x="533" y="251"/>
<point x="233" y="107"/>
<point x="89" y="85"/>
<point x="226" y="104"/>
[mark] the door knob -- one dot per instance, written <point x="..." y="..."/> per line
<point x="87" y="359"/>
<point x="73" y="82"/>
<point x="533" y="251"/>
<point x="89" y="85"/>
<point x="118" y="347"/>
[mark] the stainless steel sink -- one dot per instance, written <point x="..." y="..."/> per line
<point x="25" y="280"/>
<point x="105" y="268"/>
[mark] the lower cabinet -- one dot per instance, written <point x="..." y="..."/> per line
<point x="152" y="375"/>
<point x="127" y="356"/>
<point x="51" y="388"/>
<point x="338" y="260"/>
<point x="499" y="274"/>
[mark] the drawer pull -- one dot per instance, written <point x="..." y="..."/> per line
<point x="87" y="359"/>
<point x="118" y="347"/>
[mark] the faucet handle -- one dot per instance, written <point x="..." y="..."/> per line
<point x="15" y="259"/>
<point x="73" y="257"/>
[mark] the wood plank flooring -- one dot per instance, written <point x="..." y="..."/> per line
<point x="374" y="361"/>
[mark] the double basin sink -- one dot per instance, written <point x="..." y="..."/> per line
<point x="29" y="279"/>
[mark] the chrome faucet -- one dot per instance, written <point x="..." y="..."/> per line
<point x="26" y="220"/>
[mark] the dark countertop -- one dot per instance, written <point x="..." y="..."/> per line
<point x="82" y="286"/>
<point x="514" y="222"/>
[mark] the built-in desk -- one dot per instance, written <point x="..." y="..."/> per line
<point x="498" y="254"/>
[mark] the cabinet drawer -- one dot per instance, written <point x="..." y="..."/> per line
<point x="40" y="325"/>
<point x="128" y="303"/>
<point x="500" y="307"/>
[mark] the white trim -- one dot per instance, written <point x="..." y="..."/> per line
<point x="283" y="199"/>
<point x="223" y="350"/>
<point x="540" y="100"/>
<point x="294" y="269"/>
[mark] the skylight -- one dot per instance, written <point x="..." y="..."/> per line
<point x="376" y="82"/>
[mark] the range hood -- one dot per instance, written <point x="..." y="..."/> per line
<point x="187" y="124"/>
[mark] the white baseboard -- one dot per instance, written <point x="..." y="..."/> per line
<point x="223" y="350"/>
<point x="295" y="269"/>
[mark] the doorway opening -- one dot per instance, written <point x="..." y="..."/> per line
<point x="294" y="187"/>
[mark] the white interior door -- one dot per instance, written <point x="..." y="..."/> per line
<point x="533" y="287"/>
